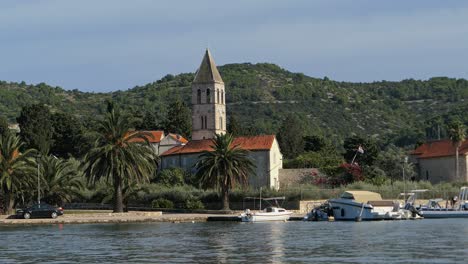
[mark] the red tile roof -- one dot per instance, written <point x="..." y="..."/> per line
<point x="178" y="137"/>
<point x="155" y="136"/>
<point x="441" y="148"/>
<point x="252" y="143"/>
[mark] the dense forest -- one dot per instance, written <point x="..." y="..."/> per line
<point x="260" y="96"/>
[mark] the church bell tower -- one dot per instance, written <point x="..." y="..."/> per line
<point x="208" y="101"/>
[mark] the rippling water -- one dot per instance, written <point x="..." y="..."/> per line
<point x="422" y="241"/>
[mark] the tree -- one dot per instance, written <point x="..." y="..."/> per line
<point x="16" y="169"/>
<point x="290" y="137"/>
<point x="314" y="143"/>
<point x="116" y="157"/>
<point x="370" y="148"/>
<point x="3" y="126"/>
<point x="62" y="180"/>
<point x="233" y="127"/>
<point x="224" y="167"/>
<point x="179" y="119"/>
<point x="457" y="134"/>
<point x="36" y="130"/>
<point x="67" y="135"/>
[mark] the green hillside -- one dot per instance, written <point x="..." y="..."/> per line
<point x="261" y="95"/>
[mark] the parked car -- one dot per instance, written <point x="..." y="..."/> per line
<point x="39" y="210"/>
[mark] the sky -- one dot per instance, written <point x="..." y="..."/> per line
<point x="108" y="45"/>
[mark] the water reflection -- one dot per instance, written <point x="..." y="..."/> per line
<point x="425" y="241"/>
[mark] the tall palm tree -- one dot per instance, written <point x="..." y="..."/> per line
<point x="62" y="180"/>
<point x="117" y="157"/>
<point x="457" y="135"/>
<point x="16" y="169"/>
<point x="223" y="167"/>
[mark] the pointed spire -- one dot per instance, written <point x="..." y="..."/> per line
<point x="207" y="72"/>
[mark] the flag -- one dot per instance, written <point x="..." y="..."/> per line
<point x="360" y="150"/>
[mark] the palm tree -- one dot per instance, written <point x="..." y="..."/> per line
<point x="62" y="180"/>
<point x="457" y="135"/>
<point x="16" y="169"/>
<point x="117" y="157"/>
<point x="223" y="167"/>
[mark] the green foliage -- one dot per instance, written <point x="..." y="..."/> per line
<point x="116" y="157"/>
<point x="391" y="112"/>
<point x="16" y="169"/>
<point x="67" y="135"/>
<point x="233" y="127"/>
<point x="351" y="145"/>
<point x="36" y="129"/>
<point x="290" y="136"/>
<point x="162" y="203"/>
<point x="172" y="177"/>
<point x="61" y="180"/>
<point x="224" y="168"/>
<point x="320" y="159"/>
<point x="3" y="126"/>
<point x="194" y="203"/>
<point x="179" y="119"/>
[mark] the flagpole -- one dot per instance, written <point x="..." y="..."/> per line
<point x="352" y="162"/>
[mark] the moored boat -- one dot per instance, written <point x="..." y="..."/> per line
<point x="268" y="214"/>
<point x="366" y="206"/>
<point x="271" y="213"/>
<point x="433" y="209"/>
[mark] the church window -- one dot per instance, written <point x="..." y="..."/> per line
<point x="221" y="122"/>
<point x="198" y="96"/>
<point x="206" y="126"/>
<point x="222" y="97"/>
<point x="217" y="96"/>
<point x="202" y="122"/>
<point x="208" y="96"/>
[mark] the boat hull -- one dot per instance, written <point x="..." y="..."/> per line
<point x="444" y="214"/>
<point x="265" y="217"/>
<point x="350" y="210"/>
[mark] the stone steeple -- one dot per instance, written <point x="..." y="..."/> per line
<point x="207" y="72"/>
<point x="208" y="101"/>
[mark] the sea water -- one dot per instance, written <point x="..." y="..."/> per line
<point x="417" y="241"/>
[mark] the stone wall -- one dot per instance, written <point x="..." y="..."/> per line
<point x="288" y="177"/>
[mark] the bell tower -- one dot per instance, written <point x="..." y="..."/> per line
<point x="208" y="101"/>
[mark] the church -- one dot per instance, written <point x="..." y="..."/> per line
<point x="209" y="119"/>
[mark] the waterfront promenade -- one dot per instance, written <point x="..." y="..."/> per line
<point x="108" y="217"/>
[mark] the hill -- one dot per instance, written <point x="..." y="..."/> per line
<point x="261" y="95"/>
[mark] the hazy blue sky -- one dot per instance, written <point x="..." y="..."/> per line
<point x="104" y="45"/>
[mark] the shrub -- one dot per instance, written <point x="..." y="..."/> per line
<point x="171" y="177"/>
<point x="162" y="203"/>
<point x="194" y="203"/>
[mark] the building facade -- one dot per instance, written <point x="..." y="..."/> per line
<point x="435" y="161"/>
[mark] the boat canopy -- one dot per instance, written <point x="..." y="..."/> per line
<point x="362" y="196"/>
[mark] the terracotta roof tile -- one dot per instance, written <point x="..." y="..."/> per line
<point x="252" y="143"/>
<point x="156" y="136"/>
<point x="178" y="137"/>
<point x="441" y="148"/>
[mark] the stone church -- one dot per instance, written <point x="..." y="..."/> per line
<point x="209" y="119"/>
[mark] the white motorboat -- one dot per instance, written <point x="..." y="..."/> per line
<point x="271" y="213"/>
<point x="365" y="205"/>
<point x="433" y="209"/>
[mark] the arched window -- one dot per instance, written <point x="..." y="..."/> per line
<point x="208" y="96"/>
<point x="222" y="97"/>
<point x="217" y="96"/>
<point x="202" y="122"/>
<point x="206" y="123"/>
<point x="198" y="96"/>
<point x="220" y="122"/>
